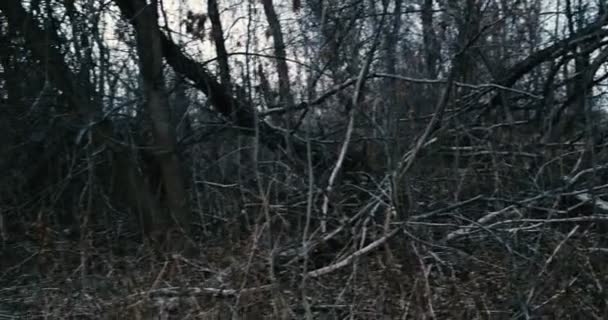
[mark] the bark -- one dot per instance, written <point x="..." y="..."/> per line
<point x="429" y="39"/>
<point x="286" y="99"/>
<point x="149" y="48"/>
<point x="217" y="34"/>
<point x="392" y="41"/>
<point x="279" y="51"/>
<point x="391" y="91"/>
<point x="469" y="26"/>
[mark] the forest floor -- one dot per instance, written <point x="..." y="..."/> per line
<point x="404" y="278"/>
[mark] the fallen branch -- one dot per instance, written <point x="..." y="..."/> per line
<point x="194" y="291"/>
<point x="598" y="203"/>
<point x="348" y="260"/>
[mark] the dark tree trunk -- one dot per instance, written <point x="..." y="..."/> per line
<point x="149" y="48"/>
<point x="279" y="51"/>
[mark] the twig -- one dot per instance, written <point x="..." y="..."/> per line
<point x="449" y="208"/>
<point x="549" y="260"/>
<point x="426" y="271"/>
<point x="467" y="229"/>
<point x="404" y="166"/>
<point x="458" y="84"/>
<point x="349" y="129"/>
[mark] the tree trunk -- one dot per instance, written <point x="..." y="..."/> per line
<point x="279" y="51"/>
<point x="149" y="48"/>
<point x="218" y="38"/>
